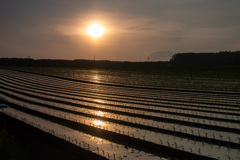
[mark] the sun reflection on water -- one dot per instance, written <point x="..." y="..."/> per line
<point x="98" y="140"/>
<point x="99" y="101"/>
<point x="100" y="113"/>
<point x="96" y="78"/>
<point x="98" y="122"/>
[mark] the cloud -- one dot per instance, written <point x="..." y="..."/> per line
<point x="134" y="28"/>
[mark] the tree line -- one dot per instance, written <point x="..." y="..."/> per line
<point x="179" y="59"/>
<point x="28" y="62"/>
<point x="206" y="59"/>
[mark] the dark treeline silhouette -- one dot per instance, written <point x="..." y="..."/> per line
<point x="179" y="59"/>
<point x="27" y="62"/>
<point x="206" y="59"/>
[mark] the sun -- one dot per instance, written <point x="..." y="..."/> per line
<point x="95" y="30"/>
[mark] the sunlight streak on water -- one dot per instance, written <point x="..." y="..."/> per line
<point x="99" y="101"/>
<point x="96" y="78"/>
<point x="100" y="113"/>
<point x="98" y="122"/>
<point x="97" y="145"/>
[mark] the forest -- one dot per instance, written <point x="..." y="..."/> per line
<point x="206" y="59"/>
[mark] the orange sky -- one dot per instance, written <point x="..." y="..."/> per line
<point x="134" y="29"/>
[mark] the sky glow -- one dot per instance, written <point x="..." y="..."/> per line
<point x="132" y="29"/>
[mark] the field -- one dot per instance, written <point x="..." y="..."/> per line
<point x="163" y="114"/>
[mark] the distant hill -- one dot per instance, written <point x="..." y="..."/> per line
<point x="161" y="56"/>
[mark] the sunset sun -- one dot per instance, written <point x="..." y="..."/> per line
<point x="95" y="30"/>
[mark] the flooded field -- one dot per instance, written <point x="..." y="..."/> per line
<point x="120" y="115"/>
<point x="226" y="78"/>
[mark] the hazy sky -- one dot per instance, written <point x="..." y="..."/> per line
<point x="134" y="29"/>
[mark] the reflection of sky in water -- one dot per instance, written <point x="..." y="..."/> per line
<point x="139" y="133"/>
<point x="98" y="122"/>
<point x="100" y="113"/>
<point x="97" y="140"/>
<point x="95" y="77"/>
<point x="99" y="101"/>
<point x="97" y="145"/>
